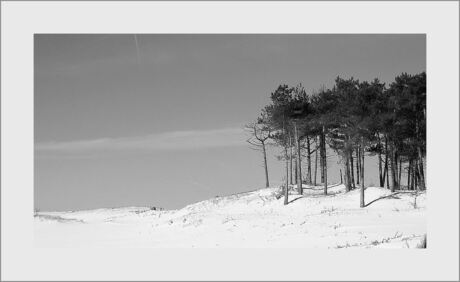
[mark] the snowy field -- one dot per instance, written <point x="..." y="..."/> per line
<point x="252" y="219"/>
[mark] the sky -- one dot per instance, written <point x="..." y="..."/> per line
<point x="157" y="119"/>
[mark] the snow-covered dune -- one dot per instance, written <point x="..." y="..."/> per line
<point x="251" y="219"/>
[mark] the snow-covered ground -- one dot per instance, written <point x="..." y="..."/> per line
<point x="252" y="219"/>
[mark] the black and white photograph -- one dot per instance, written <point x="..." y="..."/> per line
<point x="230" y="140"/>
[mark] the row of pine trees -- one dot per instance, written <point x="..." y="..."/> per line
<point x="355" y="119"/>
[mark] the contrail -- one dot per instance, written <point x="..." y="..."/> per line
<point x="137" y="49"/>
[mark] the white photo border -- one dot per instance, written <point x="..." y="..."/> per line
<point x="22" y="261"/>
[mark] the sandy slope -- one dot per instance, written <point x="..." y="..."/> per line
<point x="252" y="219"/>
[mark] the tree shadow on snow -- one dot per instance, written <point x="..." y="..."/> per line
<point x="293" y="200"/>
<point x="391" y="196"/>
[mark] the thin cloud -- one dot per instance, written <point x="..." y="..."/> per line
<point x="169" y="141"/>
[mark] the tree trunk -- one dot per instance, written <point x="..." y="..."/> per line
<point x="308" y="161"/>
<point x="290" y="160"/>
<point x="358" y="161"/>
<point x="422" y="175"/>
<point x="362" y="174"/>
<point x="286" y="192"/>
<point x="295" y="167"/>
<point x="316" y="161"/>
<point x="321" y="157"/>
<point x="400" y="172"/>
<point x="387" y="172"/>
<point x="396" y="170"/>
<point x="352" y="170"/>
<point x="420" y="159"/>
<point x="325" y="161"/>
<point x="385" y="176"/>
<point x="347" y="173"/>
<point x="381" y="177"/>
<point x="341" y="180"/>
<point x="298" y="160"/>
<point x="299" y="157"/>
<point x="415" y="198"/>
<point x="392" y="169"/>
<point x="409" y="171"/>
<point x="412" y="181"/>
<point x="267" y="184"/>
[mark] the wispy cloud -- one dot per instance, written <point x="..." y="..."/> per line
<point x="169" y="141"/>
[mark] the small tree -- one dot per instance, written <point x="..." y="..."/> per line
<point x="260" y="133"/>
<point x="278" y="113"/>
